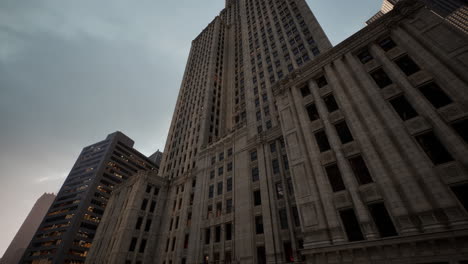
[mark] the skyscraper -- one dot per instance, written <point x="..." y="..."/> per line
<point x="283" y="149"/>
<point x="67" y="231"/>
<point x="26" y="232"/>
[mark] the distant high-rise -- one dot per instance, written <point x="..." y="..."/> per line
<point x="26" y="232"/>
<point x="453" y="11"/>
<point x="67" y="231"/>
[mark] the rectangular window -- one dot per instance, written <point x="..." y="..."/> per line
<point x="305" y="91"/>
<point x="381" y="78"/>
<point x="360" y="170"/>
<point x="148" y="188"/>
<point x="257" y="198"/>
<point x="227" y="257"/>
<point x="220" y="171"/>
<point x="255" y="176"/>
<point x="212" y="174"/>
<point x="272" y="147"/>
<point x="364" y="56"/>
<point x="186" y="240"/>
<point x="221" y="156"/>
<point x="283" y="219"/>
<point x="403" y="108"/>
<point x="261" y="255"/>
<point x="275" y="165"/>
<point x="279" y="190"/>
<point x="295" y="215"/>
<point x="209" y="211"/>
<point x="219" y="209"/>
<point x="343" y="132"/>
<point x="461" y="191"/>
<point x="434" y="148"/>
<point x="461" y="127"/>
<point x="407" y="65"/>
<point x="330" y="102"/>
<point x="211" y="191"/>
<point x="387" y="44"/>
<point x="228" y="228"/>
<point x="133" y="244"/>
<point x="382" y="220"/>
<point x="228" y="206"/>
<point x="312" y="112"/>
<point x="258" y="225"/>
<point x="152" y="206"/>
<point x="351" y="225"/>
<point x="334" y="176"/>
<point x="207" y="236"/>
<point x="288" y="252"/>
<point x="142" y="246"/>
<point x="321" y="81"/>
<point x="435" y="95"/>
<point x="322" y="141"/>
<point x="148" y="225"/>
<point x="144" y="204"/>
<point x="217" y="234"/>
<point x="220" y="188"/>
<point x="229" y="166"/>
<point x="253" y="155"/>
<point x="229" y="185"/>
<point x="138" y="223"/>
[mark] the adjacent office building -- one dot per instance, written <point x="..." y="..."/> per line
<point x="27" y="230"/>
<point x="284" y="149"/>
<point x="67" y="231"/>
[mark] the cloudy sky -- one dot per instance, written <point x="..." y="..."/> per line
<point x="72" y="72"/>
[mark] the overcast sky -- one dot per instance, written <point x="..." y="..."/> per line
<point x="72" y="72"/>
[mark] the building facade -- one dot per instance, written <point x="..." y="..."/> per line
<point x="130" y="226"/>
<point x="453" y="11"/>
<point x="68" y="229"/>
<point x="27" y="230"/>
<point x="284" y="149"/>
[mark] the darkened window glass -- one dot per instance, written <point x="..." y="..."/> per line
<point x="435" y="95"/>
<point x="461" y="127"/>
<point x="387" y="44"/>
<point x="330" y="102"/>
<point x="312" y="112"/>
<point x="461" y="191"/>
<point x="351" y="225"/>
<point x="305" y="90"/>
<point x="133" y="244"/>
<point x="382" y="220"/>
<point x="258" y="225"/>
<point x="334" y="176"/>
<point x="381" y="78"/>
<point x="283" y="219"/>
<point x="434" y="148"/>
<point x="364" y="56"/>
<point x="343" y="132"/>
<point x="321" y="81"/>
<point x="403" y="108"/>
<point x="360" y="170"/>
<point x="261" y="255"/>
<point x="322" y="141"/>
<point x="407" y="65"/>
<point x="257" y="198"/>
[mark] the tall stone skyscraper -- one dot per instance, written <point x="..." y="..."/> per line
<point x="68" y="229"/>
<point x="26" y="232"/>
<point x="283" y="149"/>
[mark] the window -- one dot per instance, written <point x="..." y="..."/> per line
<point x="351" y="225"/>
<point x="364" y="56"/>
<point x="253" y="155"/>
<point x="229" y="166"/>
<point x="272" y="147"/>
<point x="211" y="191"/>
<point x="221" y="156"/>
<point x="228" y="229"/>
<point x="209" y="211"/>
<point x="258" y="225"/>
<point x="255" y="176"/>
<point x="229" y="152"/>
<point x="407" y="65"/>
<point x="144" y="204"/>
<point x="403" y="108"/>
<point x="381" y="78"/>
<point x="186" y="240"/>
<point x="261" y="255"/>
<point x="220" y="188"/>
<point x="152" y="206"/>
<point x="219" y="209"/>
<point x="382" y="220"/>
<point x="321" y="81"/>
<point x="220" y="171"/>
<point x="461" y="191"/>
<point x="322" y="141"/>
<point x="227" y="257"/>
<point x="334" y="176"/>
<point x="312" y="112"/>
<point x="434" y="148"/>
<point x="138" y="223"/>
<point x="257" y="198"/>
<point x="148" y="188"/>
<point x="461" y="127"/>
<point x="228" y="206"/>
<point x="148" y="225"/>
<point x="387" y="44"/>
<point x="295" y="215"/>
<point x="343" y="132"/>
<point x="435" y="95"/>
<point x="283" y="218"/>
<point x="212" y="174"/>
<point x="275" y="165"/>
<point x="360" y="170"/>
<point x="305" y="91"/>
<point x="207" y="236"/>
<point x="288" y="252"/>
<point x="217" y="234"/>
<point x="133" y="244"/>
<point x="279" y="190"/>
<point x="229" y="185"/>
<point x="330" y="102"/>
<point x="142" y="246"/>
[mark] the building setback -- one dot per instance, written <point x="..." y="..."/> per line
<point x="26" y="232"/>
<point x="283" y="149"/>
<point x="67" y="232"/>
